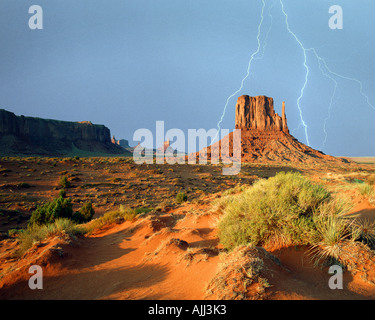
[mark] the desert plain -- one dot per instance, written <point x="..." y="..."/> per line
<point x="155" y="233"/>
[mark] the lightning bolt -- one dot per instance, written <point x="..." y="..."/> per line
<point x="360" y="84"/>
<point x="268" y="31"/>
<point x="247" y="73"/>
<point x="306" y="75"/>
<point x="325" y="70"/>
<point x="331" y="74"/>
<point x="322" y="64"/>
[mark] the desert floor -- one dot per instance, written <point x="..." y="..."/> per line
<point x="172" y="251"/>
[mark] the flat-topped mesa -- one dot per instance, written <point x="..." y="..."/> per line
<point x="36" y="136"/>
<point x="257" y="113"/>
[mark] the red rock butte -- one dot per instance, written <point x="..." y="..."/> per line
<point x="257" y="113"/>
<point x="265" y="136"/>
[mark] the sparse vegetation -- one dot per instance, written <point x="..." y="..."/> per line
<point x="181" y="197"/>
<point x="366" y="189"/>
<point x="277" y="211"/>
<point x="84" y="214"/>
<point x="37" y="233"/>
<point x="23" y="185"/>
<point x="64" y="182"/>
<point x="115" y="216"/>
<point x="49" y="212"/>
<point x="289" y="210"/>
<point x="364" y="230"/>
<point x="61" y="207"/>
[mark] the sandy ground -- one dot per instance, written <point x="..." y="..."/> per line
<point x="146" y="259"/>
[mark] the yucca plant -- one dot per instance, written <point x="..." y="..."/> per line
<point x="364" y="231"/>
<point x="331" y="232"/>
<point x="333" y="227"/>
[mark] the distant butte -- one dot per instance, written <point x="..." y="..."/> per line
<point x="265" y="135"/>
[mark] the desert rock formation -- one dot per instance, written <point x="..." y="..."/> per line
<point x="265" y="136"/>
<point x="257" y="113"/>
<point x="36" y="136"/>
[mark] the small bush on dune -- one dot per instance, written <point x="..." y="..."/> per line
<point x="277" y="210"/>
<point x="37" y="233"/>
<point x="64" y="182"/>
<point x="49" y="212"/>
<point x="274" y="211"/>
<point x="332" y="227"/>
<point x="122" y="214"/>
<point x="61" y="207"/>
<point x="288" y="209"/>
<point x="84" y="214"/>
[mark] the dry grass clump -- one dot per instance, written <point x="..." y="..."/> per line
<point x="365" y="189"/>
<point x="115" y="216"/>
<point x="278" y="211"/>
<point x="38" y="233"/>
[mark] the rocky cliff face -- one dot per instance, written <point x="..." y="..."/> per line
<point x="27" y="135"/>
<point x="257" y="113"/>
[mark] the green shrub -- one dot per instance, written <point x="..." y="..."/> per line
<point x="277" y="211"/>
<point x="181" y="197"/>
<point x="84" y="214"/>
<point x="332" y="227"/>
<point x="62" y="193"/>
<point x="23" y="185"/>
<point x="64" y="182"/>
<point x="49" y="212"/>
<point x="14" y="232"/>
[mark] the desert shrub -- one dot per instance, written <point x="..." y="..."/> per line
<point x="64" y="182"/>
<point x="84" y="214"/>
<point x="181" y="197"/>
<point x="62" y="193"/>
<point x="115" y="216"/>
<point x="142" y="210"/>
<point x="364" y="231"/>
<point x="277" y="211"/>
<point x="14" y="232"/>
<point x="332" y="228"/>
<point x="37" y="233"/>
<point x="23" y="185"/>
<point x="49" y="212"/>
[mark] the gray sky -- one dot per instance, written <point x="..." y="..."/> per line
<point x="127" y="64"/>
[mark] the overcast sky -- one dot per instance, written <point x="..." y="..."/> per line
<point x="127" y="64"/>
